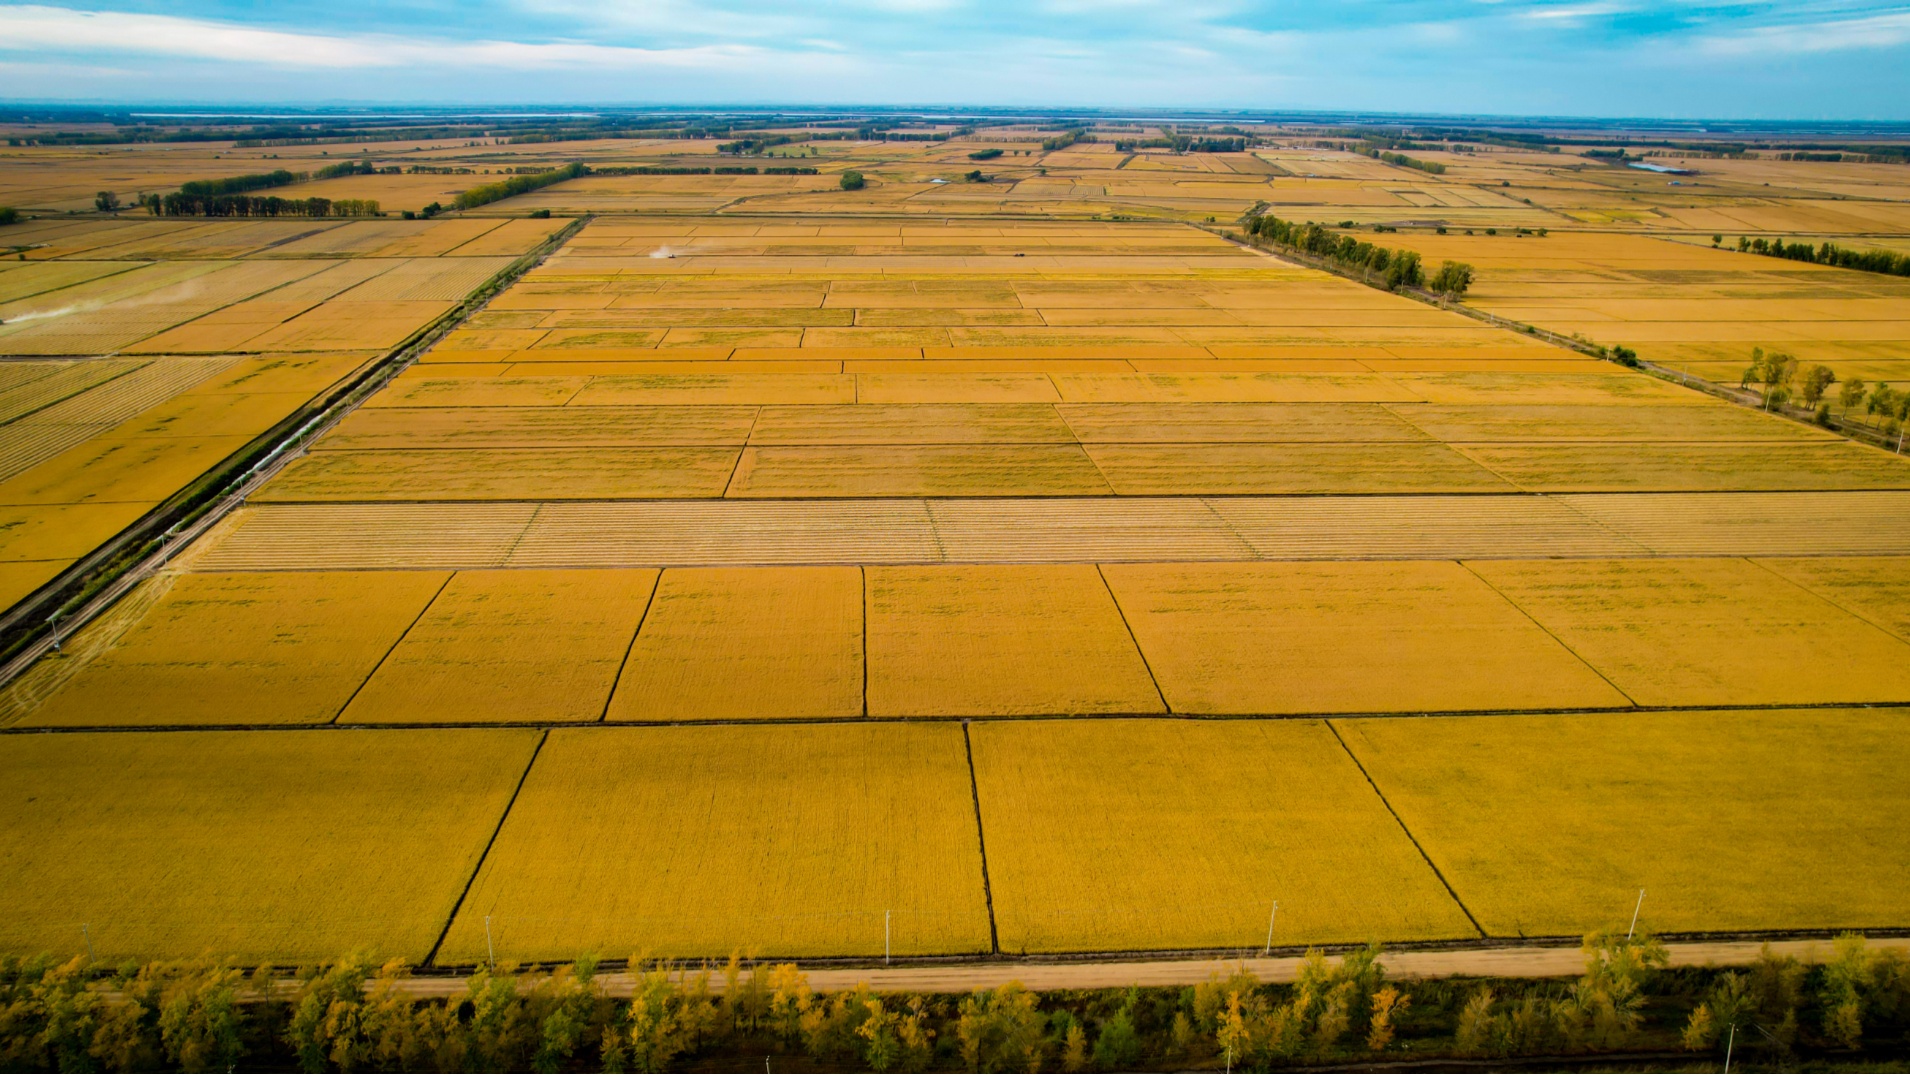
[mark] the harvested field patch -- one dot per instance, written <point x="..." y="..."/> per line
<point x="917" y="470"/>
<point x="1226" y="469"/>
<point x="1000" y="640"/>
<point x="634" y="839"/>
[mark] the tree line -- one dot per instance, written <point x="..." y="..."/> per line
<point x="1184" y="143"/>
<point x="745" y="169"/>
<point x="1403" y="161"/>
<point x="240" y="184"/>
<point x="521" y="184"/>
<point x="1392" y="269"/>
<point x="252" y="205"/>
<point x="357" y="1015"/>
<point x="1782" y="378"/>
<point x="1878" y="261"/>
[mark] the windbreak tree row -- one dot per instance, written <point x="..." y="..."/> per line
<point x="355" y="1015"/>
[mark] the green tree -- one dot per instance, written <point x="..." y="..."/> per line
<point x="853" y="181"/>
<point x="106" y="201"/>
<point x="1817" y="381"/>
<point x="1852" y="393"/>
<point x="1452" y="279"/>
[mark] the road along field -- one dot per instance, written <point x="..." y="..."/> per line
<point x="890" y="583"/>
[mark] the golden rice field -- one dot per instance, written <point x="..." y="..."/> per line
<point x="283" y="865"/>
<point x="794" y="840"/>
<point x="951" y="569"/>
<point x="1772" y="819"/>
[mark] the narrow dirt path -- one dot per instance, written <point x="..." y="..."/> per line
<point x="1509" y="962"/>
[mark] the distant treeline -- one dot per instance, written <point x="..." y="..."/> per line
<point x="747" y="169"/>
<point x="240" y="184"/>
<point x="1396" y="268"/>
<point x="1066" y="139"/>
<point x="522" y="184"/>
<point x="358" y="167"/>
<point x="1879" y="261"/>
<point x="253" y="205"/>
<point x="1403" y="161"/>
<point x="1183" y="143"/>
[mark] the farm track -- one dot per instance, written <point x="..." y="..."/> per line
<point x="1491" y="959"/>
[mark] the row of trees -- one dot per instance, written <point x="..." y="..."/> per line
<point x="1828" y="253"/>
<point x="240" y="184"/>
<point x="251" y="205"/>
<point x="354" y="1015"/>
<point x="1379" y="265"/>
<point x="520" y="184"/>
<point x="1781" y="378"/>
<point x="740" y="169"/>
<point x="1403" y="161"/>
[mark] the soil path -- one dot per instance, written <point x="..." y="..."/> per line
<point x="1508" y="962"/>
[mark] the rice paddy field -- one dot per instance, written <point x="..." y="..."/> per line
<point x="140" y="354"/>
<point x="954" y="568"/>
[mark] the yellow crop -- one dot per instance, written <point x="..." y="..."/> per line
<point x="729" y="643"/>
<point x="1704" y="632"/>
<point x="1115" y="834"/>
<point x="994" y="640"/>
<point x="247" y="649"/>
<point x="1549" y="825"/>
<point x="780" y="841"/>
<point x="251" y="846"/>
<point x="1345" y="637"/>
<point x="510" y="646"/>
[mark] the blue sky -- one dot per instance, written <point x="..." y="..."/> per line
<point x="1811" y="59"/>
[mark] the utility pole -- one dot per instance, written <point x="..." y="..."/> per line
<point x="1634" y="914"/>
<point x="488" y="946"/>
<point x="1276" y="914"/>
<point x="886" y="915"/>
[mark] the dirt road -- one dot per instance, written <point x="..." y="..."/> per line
<point x="1511" y="962"/>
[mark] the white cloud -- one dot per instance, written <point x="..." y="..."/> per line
<point x="52" y="29"/>
<point x="1834" y="35"/>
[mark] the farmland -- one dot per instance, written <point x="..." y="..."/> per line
<point x="953" y="568"/>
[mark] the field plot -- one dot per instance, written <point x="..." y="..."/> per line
<point x="284" y="865"/>
<point x="992" y="641"/>
<point x="1728" y="821"/>
<point x="228" y="342"/>
<point x="1350" y="637"/>
<point x="722" y="644"/>
<point x="1873" y="588"/>
<point x="247" y="649"/>
<point x="782" y="841"/>
<point x="509" y="646"/>
<point x="1698" y="632"/>
<point x="1191" y="831"/>
<point x="1687" y="306"/>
